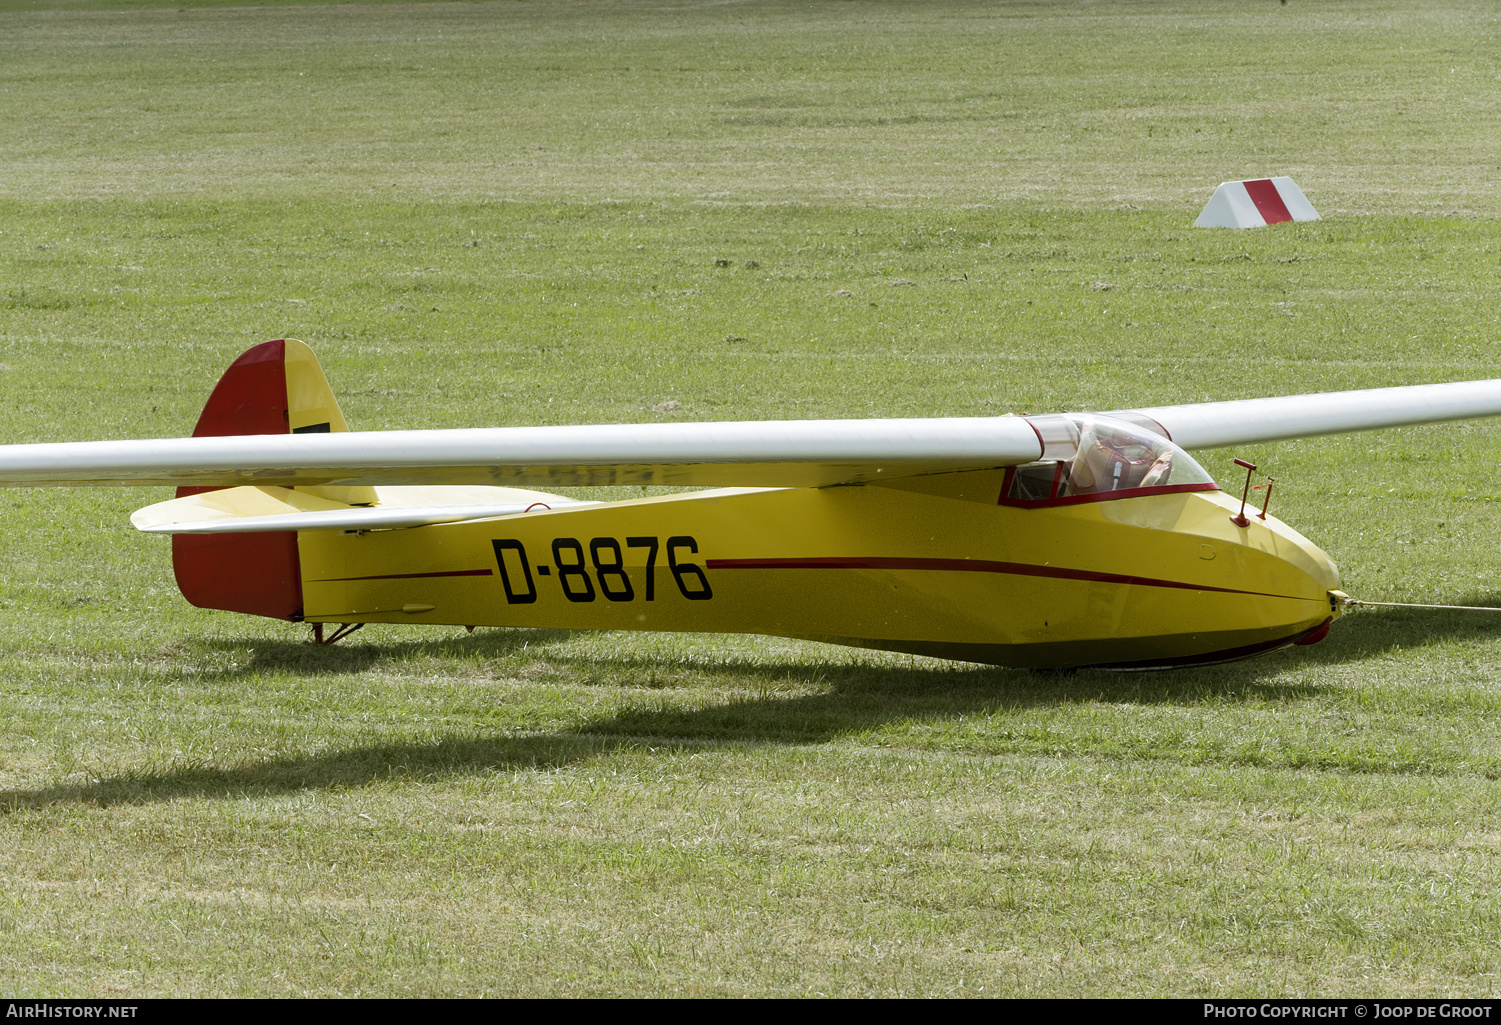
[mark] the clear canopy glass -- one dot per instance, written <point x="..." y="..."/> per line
<point x="1088" y="457"/>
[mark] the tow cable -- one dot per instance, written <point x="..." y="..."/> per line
<point x="1412" y="605"/>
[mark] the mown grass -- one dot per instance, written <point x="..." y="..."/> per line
<point x="524" y="213"/>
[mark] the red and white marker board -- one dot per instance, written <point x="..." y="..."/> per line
<point x="1254" y="203"/>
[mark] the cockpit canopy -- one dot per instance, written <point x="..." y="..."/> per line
<point x="1090" y="458"/>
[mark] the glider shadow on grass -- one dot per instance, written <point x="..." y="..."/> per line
<point x="855" y="700"/>
<point x="851" y="698"/>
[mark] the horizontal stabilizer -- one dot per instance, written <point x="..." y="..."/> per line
<point x="249" y="510"/>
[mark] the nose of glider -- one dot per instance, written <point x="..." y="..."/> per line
<point x="1338" y="600"/>
<point x="1299" y="569"/>
<point x="1267" y="586"/>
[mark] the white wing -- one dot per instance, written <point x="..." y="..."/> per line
<point x="788" y="453"/>
<point x="1245" y="421"/>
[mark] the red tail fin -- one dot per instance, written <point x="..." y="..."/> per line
<point x="255" y="573"/>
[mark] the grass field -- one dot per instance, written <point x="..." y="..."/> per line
<point x="555" y="212"/>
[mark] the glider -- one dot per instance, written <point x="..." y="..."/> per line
<point x="1062" y="540"/>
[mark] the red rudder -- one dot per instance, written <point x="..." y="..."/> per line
<point x="255" y="573"/>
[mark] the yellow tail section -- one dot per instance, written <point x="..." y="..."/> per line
<point x="311" y="406"/>
<point x="312" y="409"/>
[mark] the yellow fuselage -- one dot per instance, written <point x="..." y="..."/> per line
<point x="932" y="566"/>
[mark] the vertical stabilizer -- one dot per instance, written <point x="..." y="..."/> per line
<point x="274" y="388"/>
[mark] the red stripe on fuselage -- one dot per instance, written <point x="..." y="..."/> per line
<point x="972" y="566"/>
<point x="413" y="576"/>
<point x="1263" y="192"/>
